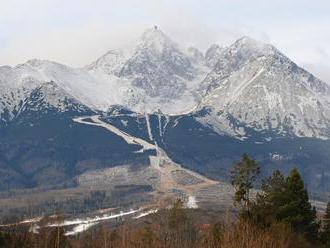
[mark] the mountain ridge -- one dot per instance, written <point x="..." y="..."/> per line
<point x="156" y="74"/>
<point x="203" y="110"/>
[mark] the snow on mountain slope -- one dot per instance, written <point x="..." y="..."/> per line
<point x="161" y="75"/>
<point x="257" y="86"/>
<point x="153" y="74"/>
<point x="18" y="83"/>
<point x="161" y="67"/>
<point x="111" y="62"/>
<point x="250" y="83"/>
<point x="212" y="55"/>
<point x="96" y="91"/>
<point x="50" y="96"/>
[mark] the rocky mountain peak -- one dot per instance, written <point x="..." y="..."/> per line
<point x="256" y="85"/>
<point x="158" y="65"/>
<point x="247" y="48"/>
<point x="250" y="81"/>
<point x="154" y="39"/>
<point x="212" y="55"/>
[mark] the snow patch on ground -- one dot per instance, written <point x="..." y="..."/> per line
<point x="92" y="220"/>
<point x="128" y="138"/>
<point x="80" y="228"/>
<point x="191" y="203"/>
<point x="148" y="126"/>
<point x="152" y="211"/>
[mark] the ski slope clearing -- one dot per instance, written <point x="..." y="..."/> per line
<point x="168" y="170"/>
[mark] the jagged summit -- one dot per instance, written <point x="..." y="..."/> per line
<point x="181" y="102"/>
<point x="247" y="41"/>
<point x="154" y="38"/>
<point x="161" y="71"/>
<point x="153" y="33"/>
<point x="248" y="48"/>
<point x="155" y="73"/>
<point x="257" y="86"/>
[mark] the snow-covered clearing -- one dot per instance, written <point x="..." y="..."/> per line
<point x="80" y="228"/>
<point x="148" y="126"/>
<point x="128" y="138"/>
<point x="152" y="211"/>
<point x="161" y="162"/>
<point x="95" y="219"/>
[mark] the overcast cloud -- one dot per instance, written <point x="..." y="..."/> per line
<point x="76" y="32"/>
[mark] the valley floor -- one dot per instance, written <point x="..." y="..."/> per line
<point x="125" y="185"/>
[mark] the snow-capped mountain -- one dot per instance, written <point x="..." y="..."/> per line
<point x="249" y="83"/>
<point x="160" y="74"/>
<point x="56" y="84"/>
<point x="255" y="85"/>
<point x="153" y="74"/>
<point x="204" y="110"/>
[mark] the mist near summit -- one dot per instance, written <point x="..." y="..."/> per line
<point x="61" y="30"/>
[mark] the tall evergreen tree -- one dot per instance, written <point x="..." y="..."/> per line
<point x="326" y="227"/>
<point x="243" y="177"/>
<point x="295" y="209"/>
<point x="269" y="200"/>
<point x="285" y="200"/>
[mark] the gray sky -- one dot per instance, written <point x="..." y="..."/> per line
<point x="76" y="32"/>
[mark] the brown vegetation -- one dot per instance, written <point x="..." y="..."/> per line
<point x="173" y="228"/>
<point x="279" y="216"/>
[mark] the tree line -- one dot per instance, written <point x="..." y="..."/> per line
<point x="277" y="215"/>
<point x="280" y="201"/>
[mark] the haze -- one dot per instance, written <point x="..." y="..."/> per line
<point x="77" y="32"/>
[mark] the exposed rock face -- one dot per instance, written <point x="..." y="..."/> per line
<point x="258" y="86"/>
<point x="249" y="83"/>
<point x="212" y="55"/>
<point x="204" y="110"/>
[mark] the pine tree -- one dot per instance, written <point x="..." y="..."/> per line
<point x="269" y="200"/>
<point x="181" y="228"/>
<point x="285" y="200"/>
<point x="295" y="209"/>
<point x="177" y="216"/>
<point x="326" y="227"/>
<point x="243" y="177"/>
